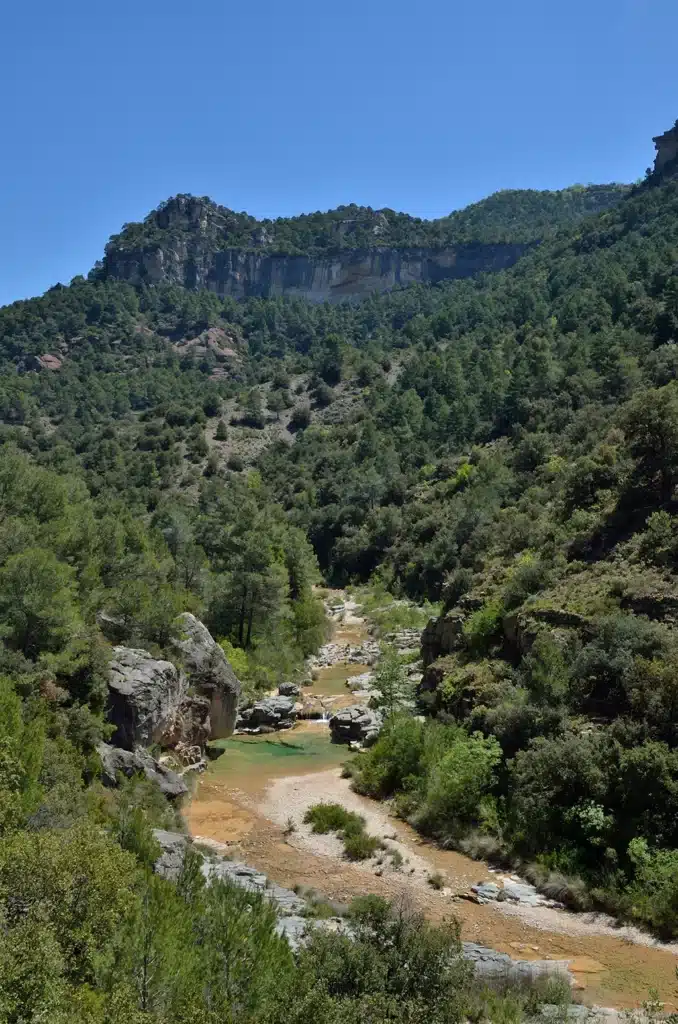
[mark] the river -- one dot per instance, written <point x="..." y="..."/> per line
<point x="261" y="785"/>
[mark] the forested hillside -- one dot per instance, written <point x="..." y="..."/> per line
<point x="507" y="445"/>
<point x="514" y="215"/>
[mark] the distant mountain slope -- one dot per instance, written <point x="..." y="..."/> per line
<point x="525" y="215"/>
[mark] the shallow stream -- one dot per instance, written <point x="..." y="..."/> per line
<point x="260" y="784"/>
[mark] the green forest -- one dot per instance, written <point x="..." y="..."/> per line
<point x="505" y="445"/>
<point x="513" y="215"/>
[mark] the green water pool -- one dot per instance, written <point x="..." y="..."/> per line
<point x="250" y="760"/>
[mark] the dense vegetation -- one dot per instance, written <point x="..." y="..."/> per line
<point x="513" y="215"/>
<point x="508" y="446"/>
<point x="91" y="935"/>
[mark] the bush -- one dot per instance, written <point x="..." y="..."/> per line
<point x="456" y="783"/>
<point x="441" y="775"/>
<point x="324" y="818"/>
<point x="395" y="757"/>
<point x="301" y="417"/>
<point x="483" y="628"/>
<point x="360" y="846"/>
<point x="350" y="827"/>
<point x="653" y="896"/>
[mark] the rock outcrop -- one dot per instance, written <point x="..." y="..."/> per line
<point x="149" y="700"/>
<point x="666" y="145"/>
<point x="115" y="762"/>
<point x="268" y="713"/>
<point x="442" y="636"/>
<point x="293" y="924"/>
<point x="144" y="694"/>
<point x="209" y="674"/>
<point x="357" y="723"/>
<point x="187" y="244"/>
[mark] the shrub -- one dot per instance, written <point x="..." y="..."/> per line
<point x="396" y="756"/>
<point x="301" y="417"/>
<point x="360" y="845"/>
<point x="457" y="782"/>
<point x="483" y="628"/>
<point x="324" y="818"/>
<point x="653" y="896"/>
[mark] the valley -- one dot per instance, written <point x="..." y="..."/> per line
<point x="226" y="491"/>
<point x="249" y="797"/>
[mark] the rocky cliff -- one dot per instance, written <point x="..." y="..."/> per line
<point x="351" y="273"/>
<point x="667" y="151"/>
<point x="342" y="254"/>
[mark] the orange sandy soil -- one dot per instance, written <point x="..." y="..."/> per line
<point x="227" y="806"/>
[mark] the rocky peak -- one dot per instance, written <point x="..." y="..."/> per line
<point x="667" y="150"/>
<point x="184" y="211"/>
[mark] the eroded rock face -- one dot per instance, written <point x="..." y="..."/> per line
<point x="209" y="673"/>
<point x="667" y="150"/>
<point x="442" y="636"/>
<point x="144" y="694"/>
<point x="355" y="723"/>
<point x="350" y="274"/>
<point x="191" y="725"/>
<point x="269" y="713"/>
<point x="115" y="761"/>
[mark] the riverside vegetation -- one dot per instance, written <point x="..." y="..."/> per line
<point x="507" y="445"/>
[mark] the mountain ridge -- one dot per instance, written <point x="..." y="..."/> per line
<point x="340" y="254"/>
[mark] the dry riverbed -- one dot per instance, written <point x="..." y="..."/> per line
<point x="262" y="785"/>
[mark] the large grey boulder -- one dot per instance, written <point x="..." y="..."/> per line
<point x="288" y="690"/>
<point x="355" y="723"/>
<point x="115" y="761"/>
<point x="209" y="673"/>
<point x="489" y="965"/>
<point x="269" y="713"/>
<point x="144" y="694"/>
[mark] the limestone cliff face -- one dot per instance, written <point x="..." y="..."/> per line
<point x="350" y="274"/>
<point x="667" y="151"/>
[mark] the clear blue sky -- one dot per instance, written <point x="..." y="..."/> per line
<point x="285" y="106"/>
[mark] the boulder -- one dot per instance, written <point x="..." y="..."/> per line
<point x="115" y="761"/>
<point x="144" y="694"/>
<point x="268" y="714"/>
<point x="288" y="690"/>
<point x="489" y="965"/>
<point x="209" y="673"/>
<point x="355" y="723"/>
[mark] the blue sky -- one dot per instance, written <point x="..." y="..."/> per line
<point x="285" y="106"/>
